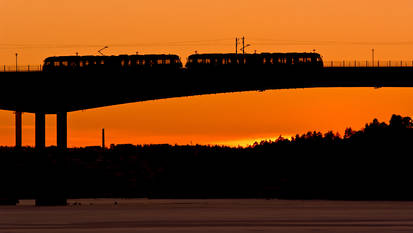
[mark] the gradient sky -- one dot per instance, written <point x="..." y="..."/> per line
<point x="339" y="30"/>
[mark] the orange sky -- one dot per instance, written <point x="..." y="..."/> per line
<point x="337" y="29"/>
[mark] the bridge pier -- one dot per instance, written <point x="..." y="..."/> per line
<point x="40" y="130"/>
<point x="61" y="130"/>
<point x="18" y="118"/>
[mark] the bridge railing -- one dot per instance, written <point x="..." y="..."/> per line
<point x="24" y="68"/>
<point x="358" y="63"/>
<point x="344" y="63"/>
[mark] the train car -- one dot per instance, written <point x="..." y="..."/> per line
<point x="119" y="63"/>
<point x="267" y="60"/>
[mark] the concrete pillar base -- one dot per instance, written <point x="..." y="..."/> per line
<point x="62" y="130"/>
<point x="40" y="124"/>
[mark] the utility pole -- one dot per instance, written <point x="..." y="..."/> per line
<point x="236" y="45"/>
<point x="16" y="60"/>
<point x="243" y="45"/>
<point x="372" y="56"/>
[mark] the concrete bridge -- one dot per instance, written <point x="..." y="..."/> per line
<point x="59" y="93"/>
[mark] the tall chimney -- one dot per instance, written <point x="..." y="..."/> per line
<point x="18" y="129"/>
<point x="103" y="138"/>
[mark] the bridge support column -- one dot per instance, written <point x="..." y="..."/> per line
<point x="18" y="118"/>
<point x="40" y="128"/>
<point x="62" y="130"/>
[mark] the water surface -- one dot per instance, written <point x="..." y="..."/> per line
<point x="232" y="215"/>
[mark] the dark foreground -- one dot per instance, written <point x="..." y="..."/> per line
<point x="371" y="164"/>
<point x="196" y="216"/>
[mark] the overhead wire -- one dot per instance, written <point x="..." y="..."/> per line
<point x="119" y="45"/>
<point x="261" y="41"/>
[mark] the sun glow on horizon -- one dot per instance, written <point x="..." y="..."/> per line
<point x="226" y="119"/>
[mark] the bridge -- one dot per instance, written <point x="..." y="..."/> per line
<point x="58" y="93"/>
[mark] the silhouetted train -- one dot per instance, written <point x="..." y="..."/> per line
<point x="269" y="60"/>
<point x="173" y="62"/>
<point x="112" y="63"/>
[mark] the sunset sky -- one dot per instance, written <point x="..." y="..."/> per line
<point x="339" y="30"/>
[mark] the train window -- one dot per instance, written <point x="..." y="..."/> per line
<point x="245" y="61"/>
<point x="130" y="63"/>
<point x="264" y="61"/>
<point x="272" y="60"/>
<point x="81" y="64"/>
<point x="301" y="60"/>
<point x="229" y="61"/>
<point x="73" y="64"/>
<point x="177" y="61"/>
<point x="122" y="63"/>
<point x="86" y="63"/>
<point x="168" y="61"/>
<point x="159" y="61"/>
<point x="56" y="63"/>
<point x="207" y="61"/>
<point x="102" y="62"/>
<point x="65" y="63"/>
<point x="199" y="61"/>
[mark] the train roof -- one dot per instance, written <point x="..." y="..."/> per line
<point x="150" y="56"/>
<point x="254" y="54"/>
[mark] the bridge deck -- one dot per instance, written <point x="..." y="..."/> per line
<point x="64" y="92"/>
